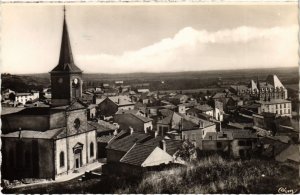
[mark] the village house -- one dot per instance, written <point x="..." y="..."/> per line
<point x="5" y="94"/>
<point x="134" y="121"/>
<point x="281" y="107"/>
<point x="235" y="143"/>
<point x="24" y="97"/>
<point x="134" y="153"/>
<point x="184" y="127"/>
<point x="110" y="105"/>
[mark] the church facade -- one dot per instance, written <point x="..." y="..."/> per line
<point x="50" y="141"/>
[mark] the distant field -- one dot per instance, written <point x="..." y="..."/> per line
<point x="184" y="81"/>
<point x="293" y="86"/>
<point x="204" y="90"/>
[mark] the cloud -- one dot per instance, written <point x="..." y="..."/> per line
<point x="190" y="49"/>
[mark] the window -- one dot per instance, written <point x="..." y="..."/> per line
<point x="61" y="159"/>
<point x="219" y="144"/>
<point x="193" y="137"/>
<point x="91" y="149"/>
<point x="27" y="159"/>
<point x="241" y="143"/>
<point x="76" y="123"/>
<point x="210" y="137"/>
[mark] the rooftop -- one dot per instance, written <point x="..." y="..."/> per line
<point x="274" y="101"/>
<point x="49" y="134"/>
<point x="124" y="140"/>
<point x="137" y="154"/>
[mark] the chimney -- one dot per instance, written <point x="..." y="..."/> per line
<point x="118" y="100"/>
<point x="181" y="124"/>
<point x="200" y="124"/>
<point x="115" y="132"/>
<point x="131" y="130"/>
<point x="163" y="145"/>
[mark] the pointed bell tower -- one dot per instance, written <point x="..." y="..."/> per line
<point x="66" y="77"/>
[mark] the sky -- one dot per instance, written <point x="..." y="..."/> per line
<point x="150" y="38"/>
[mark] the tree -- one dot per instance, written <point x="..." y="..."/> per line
<point x="12" y="96"/>
<point x="187" y="152"/>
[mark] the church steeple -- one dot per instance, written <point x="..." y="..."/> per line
<point x="66" y="77"/>
<point x="66" y="60"/>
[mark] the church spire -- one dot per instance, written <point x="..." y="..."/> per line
<point x="66" y="61"/>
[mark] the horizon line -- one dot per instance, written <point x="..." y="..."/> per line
<point x="163" y="72"/>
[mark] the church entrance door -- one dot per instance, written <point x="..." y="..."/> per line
<point x="78" y="158"/>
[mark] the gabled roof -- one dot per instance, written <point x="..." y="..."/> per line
<point x="274" y="81"/>
<point x="120" y="100"/>
<point x="124" y="141"/>
<point x="137" y="154"/>
<point x="252" y="85"/>
<point x="76" y="105"/>
<point x="167" y="120"/>
<point x="66" y="61"/>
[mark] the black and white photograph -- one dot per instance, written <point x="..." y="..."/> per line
<point x="150" y="98"/>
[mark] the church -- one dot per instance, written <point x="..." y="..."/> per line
<point x="45" y="142"/>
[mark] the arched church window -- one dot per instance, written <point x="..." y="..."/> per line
<point x="61" y="159"/>
<point x="91" y="149"/>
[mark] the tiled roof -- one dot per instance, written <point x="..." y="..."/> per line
<point x="166" y="112"/>
<point x="102" y="126"/>
<point x="23" y="94"/>
<point x="123" y="142"/>
<point x="167" y="120"/>
<point x="172" y="146"/>
<point x="243" y="134"/>
<point x="49" y="134"/>
<point x="121" y="100"/>
<point x="137" y="154"/>
<point x="134" y="111"/>
<point x="76" y="105"/>
<point x="144" y="119"/>
<point x="274" y="101"/>
<point x="219" y="95"/>
<point x="204" y="108"/>
<point x="105" y="138"/>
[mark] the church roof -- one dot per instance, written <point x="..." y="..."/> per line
<point x="49" y="134"/>
<point x="66" y="60"/>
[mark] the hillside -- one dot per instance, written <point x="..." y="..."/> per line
<point x="22" y="83"/>
<point x="209" y="175"/>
